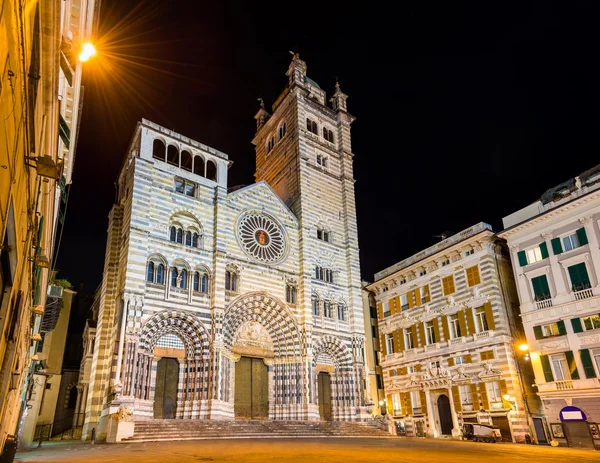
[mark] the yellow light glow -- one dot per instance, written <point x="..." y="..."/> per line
<point x="87" y="51"/>
<point x="506" y="397"/>
<point x="524" y="347"/>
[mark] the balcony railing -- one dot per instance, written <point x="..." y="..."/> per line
<point x="483" y="335"/>
<point x="458" y="340"/>
<point x="583" y="294"/>
<point x="544" y="304"/>
<point x="564" y="385"/>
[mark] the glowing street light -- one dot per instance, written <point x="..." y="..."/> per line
<point x="524" y="347"/>
<point x="87" y="51"/>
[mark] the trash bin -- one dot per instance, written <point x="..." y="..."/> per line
<point x="9" y="450"/>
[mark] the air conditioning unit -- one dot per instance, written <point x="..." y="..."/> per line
<point x="55" y="291"/>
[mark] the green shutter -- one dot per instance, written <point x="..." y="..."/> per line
<point x="576" y="324"/>
<point x="579" y="277"/>
<point x="547" y="369"/>
<point x="582" y="237"/>
<point x="537" y="331"/>
<point x="544" y="250"/>
<point x="556" y="246"/>
<point x="522" y="258"/>
<point x="588" y="366"/>
<point x="562" y="329"/>
<point x="572" y="365"/>
<point x="540" y="287"/>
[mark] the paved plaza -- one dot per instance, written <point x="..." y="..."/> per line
<point x="333" y="450"/>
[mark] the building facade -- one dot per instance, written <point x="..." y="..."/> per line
<point x="245" y="303"/>
<point x="40" y="99"/>
<point x="556" y="260"/>
<point x="448" y="324"/>
<point x="374" y="392"/>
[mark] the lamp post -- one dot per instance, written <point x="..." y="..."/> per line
<point x="382" y="407"/>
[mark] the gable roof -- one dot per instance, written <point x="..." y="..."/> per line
<point x="263" y="184"/>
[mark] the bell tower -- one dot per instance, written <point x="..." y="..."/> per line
<point x="303" y="150"/>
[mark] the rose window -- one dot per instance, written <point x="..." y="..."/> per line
<point x="261" y="237"/>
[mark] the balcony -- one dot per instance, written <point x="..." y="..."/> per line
<point x="564" y="385"/>
<point x="430" y="347"/>
<point x="459" y="340"/>
<point x="483" y="335"/>
<point x="583" y="294"/>
<point x="569" y="385"/>
<point x="543" y="304"/>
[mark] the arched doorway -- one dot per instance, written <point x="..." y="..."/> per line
<point x="251" y="389"/>
<point x="445" y="414"/>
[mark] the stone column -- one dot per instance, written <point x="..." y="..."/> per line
<point x="455" y="425"/>
<point x="432" y="425"/>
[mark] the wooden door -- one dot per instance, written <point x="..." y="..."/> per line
<point x="165" y="388"/>
<point x="324" y="386"/>
<point x="251" y="389"/>
<point x="445" y="414"/>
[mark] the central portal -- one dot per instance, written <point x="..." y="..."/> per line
<point x="165" y="392"/>
<point x="251" y="389"/>
<point x="324" y="393"/>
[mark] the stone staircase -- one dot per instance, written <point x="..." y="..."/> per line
<point x="168" y="430"/>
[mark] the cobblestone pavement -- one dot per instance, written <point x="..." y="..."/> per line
<point x="340" y="450"/>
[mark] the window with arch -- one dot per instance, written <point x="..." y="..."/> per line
<point x="328" y="134"/>
<point x="281" y="131"/>
<point x="322" y="160"/>
<point x="324" y="274"/>
<point x="211" y="170"/>
<point x="231" y="280"/>
<point x="195" y="240"/>
<point x="158" y="150"/>
<point x="323" y="234"/>
<point x="174" y="275"/>
<point x="341" y="311"/>
<point x="199" y="167"/>
<point x="315" y="304"/>
<point x="201" y="282"/>
<point x="179" y="236"/>
<point x="327" y="309"/>
<point x="182" y="277"/>
<point x="173" y="155"/>
<point x="270" y="144"/>
<point x="186" y="160"/>
<point x="179" y="278"/>
<point x="155" y="272"/>
<point x="312" y="126"/>
<point x="290" y="294"/>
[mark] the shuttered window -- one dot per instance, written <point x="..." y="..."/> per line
<point x="448" y="285"/>
<point x="541" y="290"/>
<point x="487" y="355"/>
<point x="588" y="366"/>
<point x="473" y="276"/>
<point x="579" y="277"/>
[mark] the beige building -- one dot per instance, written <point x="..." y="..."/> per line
<point x="39" y="419"/>
<point x="40" y="89"/>
<point x="374" y="393"/>
<point x="449" y="324"/>
<point x="556" y="260"/>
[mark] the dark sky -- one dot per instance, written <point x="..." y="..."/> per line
<point x="465" y="111"/>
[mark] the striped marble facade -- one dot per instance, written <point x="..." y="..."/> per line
<point x="295" y="342"/>
<point x="481" y="359"/>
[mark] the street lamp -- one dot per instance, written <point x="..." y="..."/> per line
<point x="525" y="349"/>
<point x="87" y="51"/>
<point x="382" y="407"/>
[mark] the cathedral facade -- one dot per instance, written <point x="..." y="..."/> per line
<point x="239" y="303"/>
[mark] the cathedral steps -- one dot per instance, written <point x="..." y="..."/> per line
<point x="166" y="430"/>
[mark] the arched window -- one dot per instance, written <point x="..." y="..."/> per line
<point x="173" y="234"/>
<point x="183" y="279"/>
<point x="230" y="280"/>
<point x="199" y="166"/>
<point x="195" y="240"/>
<point x="150" y="272"/>
<point x="327" y="134"/>
<point x="211" y="170"/>
<point x="174" y="277"/>
<point x="312" y="126"/>
<point x="173" y="155"/>
<point x="160" y="274"/>
<point x="290" y="294"/>
<point x="186" y="161"/>
<point x="341" y="309"/>
<point x="327" y="311"/>
<point x="180" y="236"/>
<point x="158" y="150"/>
<point x="196" y="284"/>
<point x="315" y="304"/>
<point x="281" y="131"/>
<point x="204" y="283"/>
<point x="188" y="238"/>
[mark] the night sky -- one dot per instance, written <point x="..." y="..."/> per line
<point x="465" y="112"/>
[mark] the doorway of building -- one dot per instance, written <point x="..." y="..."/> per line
<point x="324" y="392"/>
<point x="578" y="434"/>
<point x="503" y="424"/>
<point x="540" y="433"/>
<point x="165" y="389"/>
<point x="445" y="414"/>
<point x="251" y="389"/>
